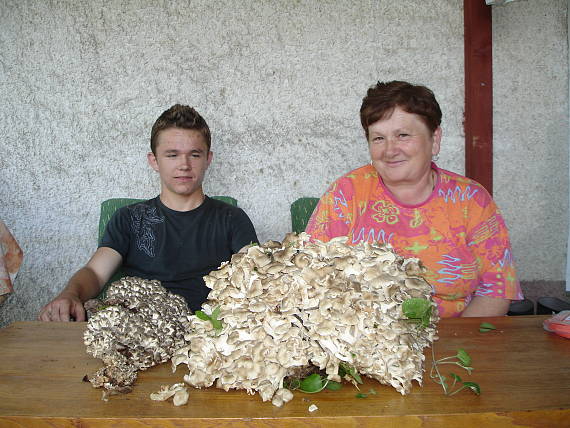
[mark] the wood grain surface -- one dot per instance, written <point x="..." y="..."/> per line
<point x="523" y="371"/>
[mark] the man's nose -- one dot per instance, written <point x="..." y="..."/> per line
<point x="185" y="163"/>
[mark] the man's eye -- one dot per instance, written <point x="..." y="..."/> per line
<point x="378" y="139"/>
<point x="170" y="155"/>
<point x="403" y="135"/>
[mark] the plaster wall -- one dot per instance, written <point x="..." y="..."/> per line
<point x="280" y="84"/>
<point x="530" y="132"/>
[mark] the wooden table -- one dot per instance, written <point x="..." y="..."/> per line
<point x="523" y="371"/>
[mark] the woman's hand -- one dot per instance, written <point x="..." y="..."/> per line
<point x="481" y="306"/>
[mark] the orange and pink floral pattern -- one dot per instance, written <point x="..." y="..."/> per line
<point x="458" y="233"/>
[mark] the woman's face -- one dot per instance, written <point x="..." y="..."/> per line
<point x="401" y="148"/>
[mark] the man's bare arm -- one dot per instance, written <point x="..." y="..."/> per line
<point x="85" y="284"/>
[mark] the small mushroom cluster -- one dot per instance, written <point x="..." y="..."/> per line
<point x="284" y="306"/>
<point x="138" y="325"/>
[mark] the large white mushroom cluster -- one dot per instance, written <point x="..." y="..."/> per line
<point x="294" y="304"/>
<point x="138" y="325"/>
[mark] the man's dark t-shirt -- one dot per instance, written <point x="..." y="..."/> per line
<point x="178" y="247"/>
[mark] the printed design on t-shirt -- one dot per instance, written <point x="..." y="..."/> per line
<point x="507" y="259"/>
<point x="456" y="270"/>
<point x="385" y="212"/>
<point x="434" y="235"/>
<point x="487" y="289"/>
<point x="416" y="248"/>
<point x="362" y="207"/>
<point x="495" y="284"/>
<point x="369" y="175"/>
<point x="485" y="230"/>
<point x="457" y="194"/>
<point x="417" y="220"/>
<point x="339" y="203"/>
<point x="143" y="217"/>
<point x="371" y="236"/>
<point x="452" y="269"/>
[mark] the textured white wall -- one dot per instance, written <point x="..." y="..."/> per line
<point x="279" y="82"/>
<point x="530" y="109"/>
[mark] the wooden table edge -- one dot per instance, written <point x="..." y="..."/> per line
<point x="530" y="418"/>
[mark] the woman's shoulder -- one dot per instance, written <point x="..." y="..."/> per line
<point x="456" y="186"/>
<point x="454" y="179"/>
<point x="362" y="173"/>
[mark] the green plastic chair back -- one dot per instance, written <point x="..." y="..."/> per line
<point x="227" y="200"/>
<point x="301" y="211"/>
<point x="109" y="207"/>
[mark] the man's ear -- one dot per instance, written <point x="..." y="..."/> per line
<point x="210" y="157"/>
<point x="151" y="159"/>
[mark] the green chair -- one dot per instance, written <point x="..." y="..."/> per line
<point x="109" y="207"/>
<point x="301" y="211"/>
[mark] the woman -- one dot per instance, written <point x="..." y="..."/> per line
<point x="448" y="221"/>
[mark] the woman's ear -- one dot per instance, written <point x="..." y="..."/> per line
<point x="436" y="141"/>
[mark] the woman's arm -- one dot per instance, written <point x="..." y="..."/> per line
<point x="481" y="306"/>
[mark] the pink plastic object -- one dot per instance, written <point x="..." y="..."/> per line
<point x="559" y="324"/>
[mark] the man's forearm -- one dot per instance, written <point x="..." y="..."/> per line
<point x="84" y="285"/>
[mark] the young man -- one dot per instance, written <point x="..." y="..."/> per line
<point x="177" y="237"/>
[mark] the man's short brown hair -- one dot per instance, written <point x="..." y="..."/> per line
<point x="180" y="116"/>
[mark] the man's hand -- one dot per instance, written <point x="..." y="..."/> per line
<point x="85" y="284"/>
<point x="63" y="308"/>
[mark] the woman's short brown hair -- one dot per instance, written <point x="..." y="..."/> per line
<point x="180" y="116"/>
<point x="382" y="98"/>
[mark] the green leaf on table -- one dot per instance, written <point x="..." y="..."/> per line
<point x="463" y="357"/>
<point x="486" y="326"/>
<point x="455" y="377"/>
<point x="473" y="387"/>
<point x="312" y="383"/>
<point x="333" y="386"/>
<point x="365" y="395"/>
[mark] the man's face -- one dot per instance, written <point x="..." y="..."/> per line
<point x="182" y="158"/>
